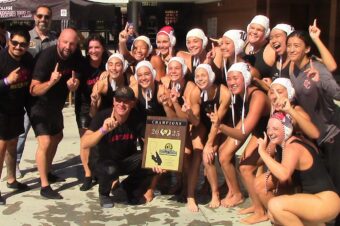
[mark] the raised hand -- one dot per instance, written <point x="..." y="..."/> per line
<point x="95" y="96"/>
<point x="123" y="35"/>
<point x="13" y="76"/>
<point x="110" y="123"/>
<point x="314" y="31"/>
<point x="55" y="76"/>
<point x="174" y="94"/>
<point x="210" y="55"/>
<point x="267" y="81"/>
<point x="73" y="82"/>
<point x="186" y="107"/>
<point x="215" y="120"/>
<point x="312" y="73"/>
<point x="281" y="103"/>
<point x="164" y="97"/>
<point x="262" y="144"/>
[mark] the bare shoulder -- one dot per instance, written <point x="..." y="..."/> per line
<point x="156" y="59"/>
<point x="224" y="92"/>
<point x="185" y="55"/>
<point x="165" y="81"/>
<point x="269" y="55"/>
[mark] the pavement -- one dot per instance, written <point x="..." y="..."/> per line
<point x="82" y="208"/>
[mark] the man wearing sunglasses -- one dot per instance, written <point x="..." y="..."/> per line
<point x="16" y="66"/>
<point x="41" y="38"/>
<point x="112" y="137"/>
<point x="41" y="35"/>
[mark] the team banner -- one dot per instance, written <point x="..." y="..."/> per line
<point x="61" y="9"/>
<point x="164" y="143"/>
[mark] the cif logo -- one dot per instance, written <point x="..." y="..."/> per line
<point x="165" y="132"/>
<point x="168" y="146"/>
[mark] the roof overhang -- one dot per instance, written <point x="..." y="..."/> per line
<point x="167" y="1"/>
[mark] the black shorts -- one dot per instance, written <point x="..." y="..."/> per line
<point x="83" y="120"/>
<point x="11" y="126"/>
<point x="46" y="122"/>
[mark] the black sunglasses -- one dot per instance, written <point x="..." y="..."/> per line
<point x="21" y="44"/>
<point x="40" y="16"/>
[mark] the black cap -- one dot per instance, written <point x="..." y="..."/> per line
<point x="124" y="93"/>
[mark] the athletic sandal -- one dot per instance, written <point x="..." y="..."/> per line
<point x="105" y="201"/>
<point x="49" y="193"/>
<point x="18" y="186"/>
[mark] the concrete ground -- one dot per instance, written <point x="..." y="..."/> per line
<point x="82" y="208"/>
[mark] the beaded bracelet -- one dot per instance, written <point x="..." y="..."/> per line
<point x="6" y="81"/>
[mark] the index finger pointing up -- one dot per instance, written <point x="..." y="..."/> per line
<point x="314" y="23"/>
<point x="276" y="93"/>
<point x="311" y="64"/>
<point x="73" y="75"/>
<point x="113" y="113"/>
<point x="56" y="67"/>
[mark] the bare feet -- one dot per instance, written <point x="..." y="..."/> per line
<point x="234" y="200"/>
<point x="148" y="195"/>
<point x="250" y="209"/>
<point x="215" y="201"/>
<point x="255" y="218"/>
<point x="192" y="206"/>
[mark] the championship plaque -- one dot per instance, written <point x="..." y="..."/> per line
<point x="164" y="143"/>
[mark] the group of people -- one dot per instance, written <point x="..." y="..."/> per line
<point x="260" y="88"/>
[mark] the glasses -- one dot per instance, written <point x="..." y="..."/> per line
<point x="40" y="16"/>
<point x="21" y="44"/>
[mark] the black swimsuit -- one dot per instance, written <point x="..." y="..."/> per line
<point x="257" y="61"/>
<point x="316" y="178"/>
<point x="208" y="107"/>
<point x="154" y="107"/>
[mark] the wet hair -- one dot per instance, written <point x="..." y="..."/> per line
<point x="20" y="31"/>
<point x="304" y="36"/>
<point x="101" y="40"/>
<point x="43" y="6"/>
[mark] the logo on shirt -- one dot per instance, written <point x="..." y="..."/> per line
<point x="23" y="79"/>
<point x="307" y="84"/>
<point x="120" y="137"/>
<point x="32" y="44"/>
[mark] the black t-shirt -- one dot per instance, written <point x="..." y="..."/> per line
<point x="89" y="76"/>
<point x="121" y="142"/>
<point x="13" y="98"/>
<point x="54" y="99"/>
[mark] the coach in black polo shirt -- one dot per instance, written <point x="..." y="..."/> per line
<point x="54" y="76"/>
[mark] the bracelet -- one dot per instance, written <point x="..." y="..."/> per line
<point x="102" y="131"/>
<point x="6" y="81"/>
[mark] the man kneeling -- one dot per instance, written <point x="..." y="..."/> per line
<point x="112" y="137"/>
